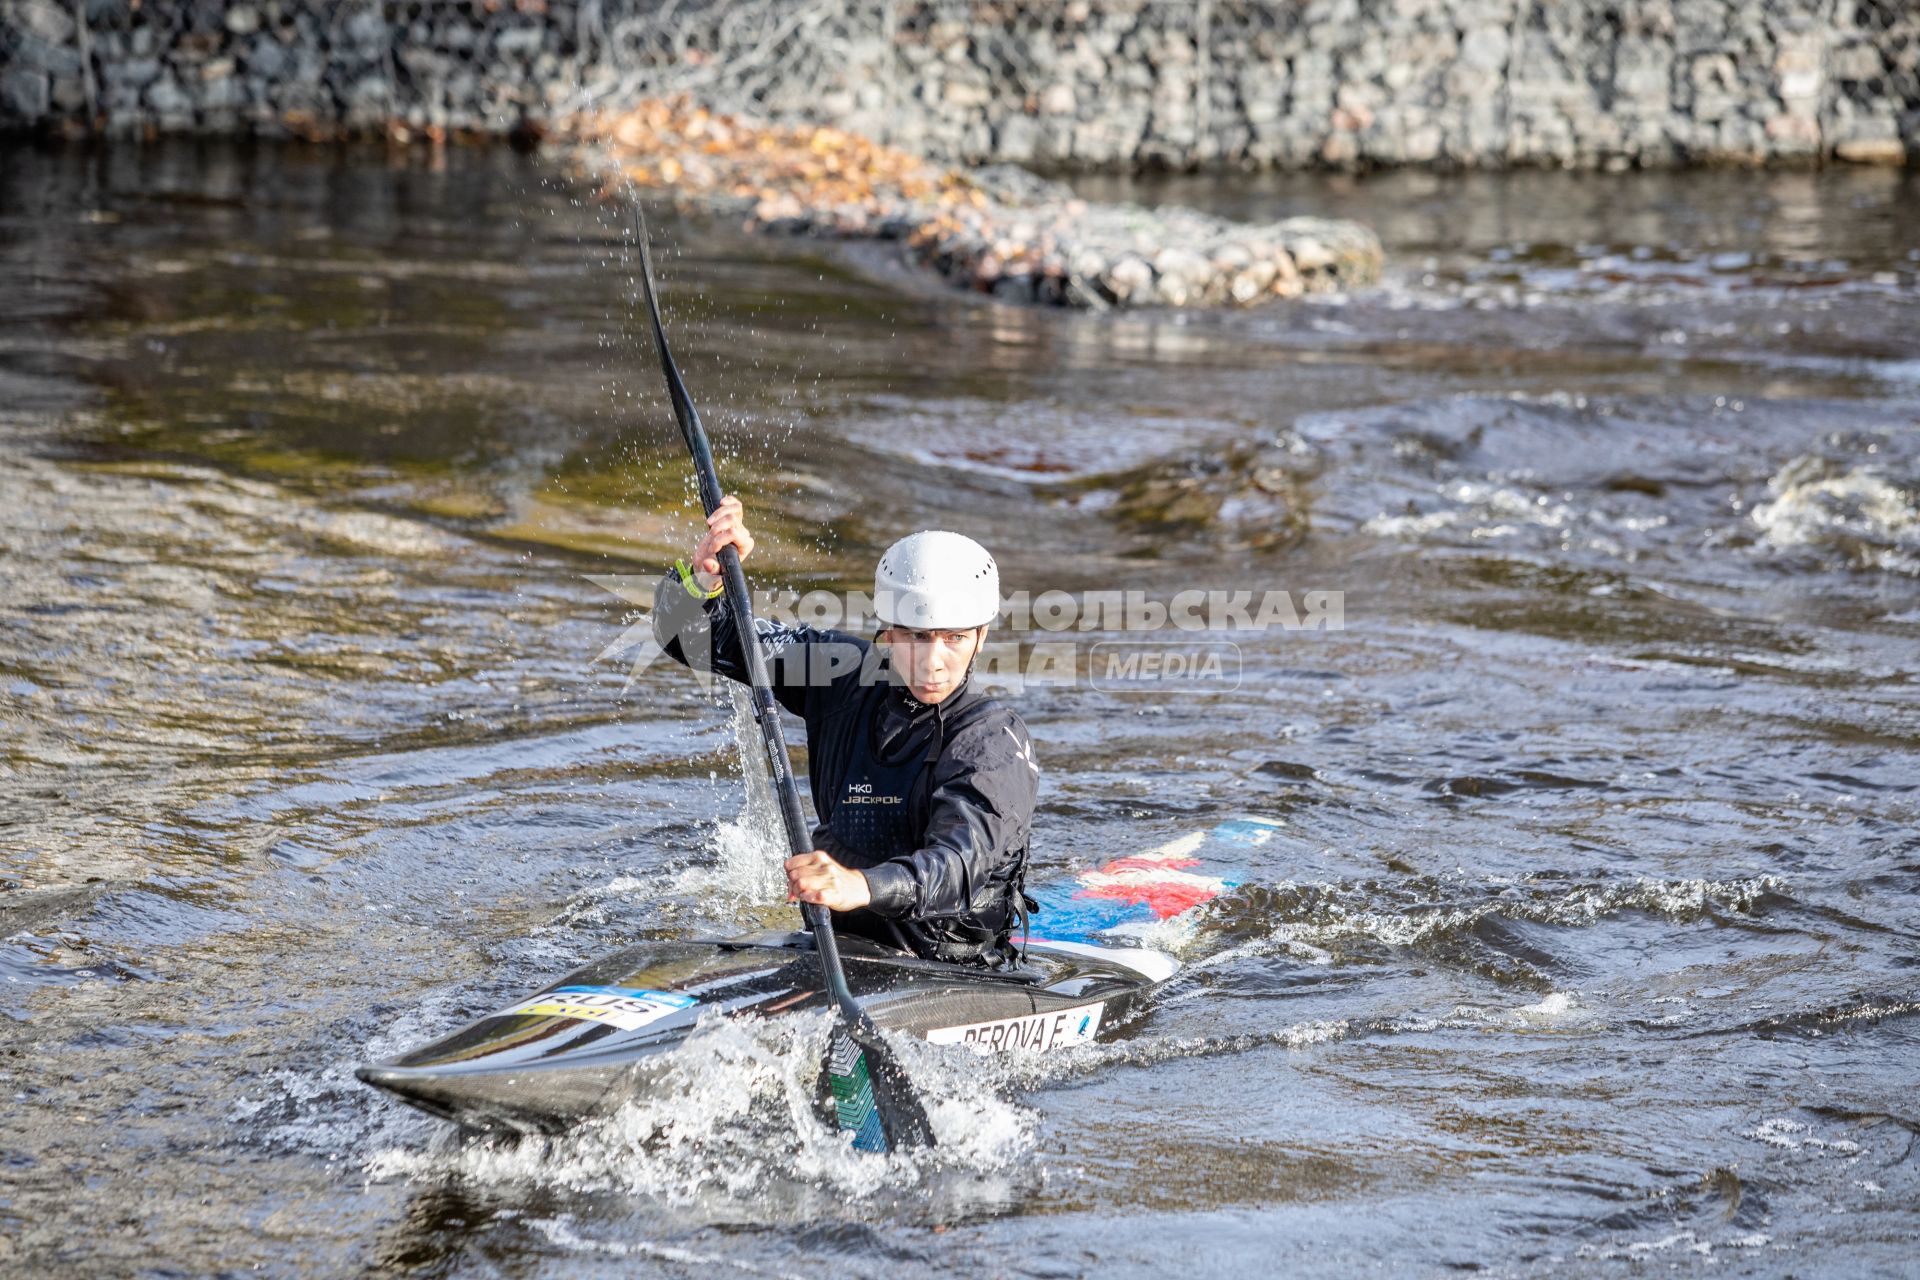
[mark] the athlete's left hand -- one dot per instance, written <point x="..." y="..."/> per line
<point x="816" y="877"/>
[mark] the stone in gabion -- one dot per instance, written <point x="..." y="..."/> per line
<point x="1591" y="83"/>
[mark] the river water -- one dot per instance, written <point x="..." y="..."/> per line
<point x="1589" y="945"/>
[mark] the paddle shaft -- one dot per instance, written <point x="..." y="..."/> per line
<point x="766" y="713"/>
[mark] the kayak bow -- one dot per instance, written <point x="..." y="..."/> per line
<point x="601" y="1035"/>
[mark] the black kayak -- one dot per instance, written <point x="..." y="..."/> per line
<point x="595" y="1038"/>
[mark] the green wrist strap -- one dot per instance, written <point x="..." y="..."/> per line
<point x="693" y="588"/>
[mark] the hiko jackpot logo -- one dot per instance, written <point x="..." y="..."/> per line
<point x="863" y="793"/>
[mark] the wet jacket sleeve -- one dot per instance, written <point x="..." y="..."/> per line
<point x="801" y="661"/>
<point x="984" y="788"/>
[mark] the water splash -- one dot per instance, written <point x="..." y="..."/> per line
<point x="1683" y="1241"/>
<point x="1320" y="916"/>
<point x="1859" y="513"/>
<point x="562" y="1232"/>
<point x="1550" y="1009"/>
<point x="1037" y="1070"/>
<point x="1483" y="509"/>
<point x="729" y="1130"/>
<point x="749" y="848"/>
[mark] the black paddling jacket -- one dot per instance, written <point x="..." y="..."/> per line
<point x="933" y="803"/>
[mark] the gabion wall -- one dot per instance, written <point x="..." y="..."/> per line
<point x="1088" y="83"/>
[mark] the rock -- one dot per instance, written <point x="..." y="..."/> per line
<point x="133" y="73"/>
<point x="1855" y="62"/>
<point x="49" y="21"/>
<point x="266" y="58"/>
<point x="69" y="95"/>
<point x="1423" y="144"/>
<point x="1286" y="276"/>
<point x="1172" y="291"/>
<point x="1642" y="72"/>
<point x="54" y="59"/>
<point x="1484" y="49"/>
<point x="367" y="29"/>
<point x="1887" y="151"/>
<point x="1182" y="262"/>
<point x="1129" y="276"/>
<point x="1309" y="255"/>
<point x="1797" y="68"/>
<point x="25" y="94"/>
<point x="242" y="19"/>
<point x="1714" y="74"/>
<point x="1016" y="138"/>
<point x="368" y="98"/>
<point x="222" y="94"/>
<point x="170" y="102"/>
<point x="1249" y="285"/>
<point x="1230" y="257"/>
<point x="1793" y="129"/>
<point x="1058" y="100"/>
<point x="1087" y="264"/>
<point x="518" y="42"/>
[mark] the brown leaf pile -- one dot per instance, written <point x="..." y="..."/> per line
<point x="1020" y="244"/>
<point x="782" y="171"/>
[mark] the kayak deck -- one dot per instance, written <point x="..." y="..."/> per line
<point x="593" y="1039"/>
<point x="586" y="1043"/>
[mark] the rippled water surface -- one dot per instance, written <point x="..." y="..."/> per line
<point x="1589" y="948"/>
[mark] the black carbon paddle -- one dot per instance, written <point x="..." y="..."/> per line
<point x="871" y="1095"/>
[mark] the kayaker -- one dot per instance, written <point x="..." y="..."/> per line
<point x="924" y="787"/>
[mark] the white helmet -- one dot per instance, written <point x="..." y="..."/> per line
<point x="936" y="581"/>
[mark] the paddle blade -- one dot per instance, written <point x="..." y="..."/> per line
<point x="869" y="1094"/>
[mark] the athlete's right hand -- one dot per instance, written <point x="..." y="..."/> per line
<point x="815" y="877"/>
<point x="726" y="526"/>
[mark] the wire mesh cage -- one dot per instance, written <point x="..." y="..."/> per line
<point x="1083" y="82"/>
<point x="1875" y="70"/>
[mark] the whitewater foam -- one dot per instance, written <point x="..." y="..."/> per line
<point x="1859" y="513"/>
<point x="729" y="1128"/>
